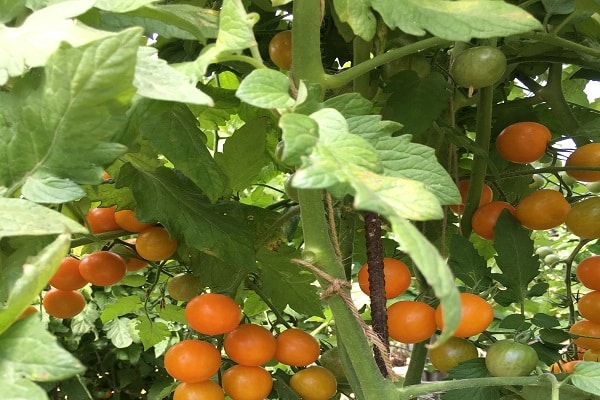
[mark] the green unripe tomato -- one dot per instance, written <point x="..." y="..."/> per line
<point x="451" y="353"/>
<point x="508" y="358"/>
<point x="544" y="251"/>
<point x="478" y="67"/>
<point x="184" y="286"/>
<point x="414" y="62"/>
<point x="551" y="259"/>
<point x="331" y="360"/>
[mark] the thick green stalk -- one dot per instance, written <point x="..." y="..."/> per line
<point x="552" y="94"/>
<point x="418" y="357"/>
<point x="479" y="166"/>
<point x="306" y="52"/>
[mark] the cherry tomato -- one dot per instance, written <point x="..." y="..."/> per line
<point x="280" y="50"/>
<point x="589" y="306"/>
<point x="297" y="348"/>
<point x="397" y="277"/>
<point x="127" y="220"/>
<point x="463" y="188"/>
<point x="485" y="218"/>
<point x="588" y="272"/>
<point x="102" y="220"/>
<point x="478" y="67"/>
<point x="250" y="345"/>
<point x="523" y="142"/>
<point x="451" y="353"/>
<point x="206" y="390"/>
<point x="585" y="156"/>
<point x="213" y="314"/>
<point x="476" y="315"/>
<point x="67" y="276"/>
<point x="184" y="286"/>
<point x="314" y="383"/>
<point x="63" y="303"/>
<point x="102" y="268"/>
<point x="155" y="244"/>
<point x="584" y="218"/>
<point x="411" y="321"/>
<point x="589" y="329"/>
<point x="192" y="361"/>
<point x="247" y="383"/>
<point x="509" y="358"/>
<point x="542" y="209"/>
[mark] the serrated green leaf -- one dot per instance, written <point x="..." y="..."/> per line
<point x="235" y="27"/>
<point x="171" y="312"/>
<point x="29" y="45"/>
<point x="288" y="284"/>
<point x="300" y="135"/>
<point x="162" y="195"/>
<point x="553" y="336"/>
<point x="155" y="79"/>
<point x="545" y="320"/>
<point x="52" y="116"/>
<point x="134" y="280"/>
<point x="559" y="7"/>
<point x="28" y="350"/>
<point x="358" y="15"/>
<point x="24" y="218"/>
<point x="173" y="131"/>
<point x="516" y="257"/>
<point x="30" y="277"/>
<point x="467" y="265"/>
<point x="416" y="102"/>
<point x="266" y="88"/>
<point x="151" y="332"/>
<point x="349" y="105"/>
<point x="514" y="322"/>
<point x="85" y="321"/>
<point x="244" y="154"/>
<point x="461" y="21"/>
<point x="118" y="332"/>
<point x="122" y="6"/>
<point x="122" y="306"/>
<point x="9" y="9"/>
<point x="43" y="188"/>
<point x="22" y="389"/>
<point x="586" y="377"/>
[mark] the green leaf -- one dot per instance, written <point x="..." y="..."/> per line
<point x="349" y="105"/>
<point x="118" y="331"/>
<point x="585" y="377"/>
<point x="165" y="196"/>
<point x="244" y="154"/>
<point x="22" y="217"/>
<point x="416" y="102"/>
<point x="29" y="45"/>
<point x="43" y="188"/>
<point x="358" y="15"/>
<point x="171" y="312"/>
<point x="235" y="27"/>
<point x="266" y="88"/>
<point x="285" y="283"/>
<point x="300" y="135"/>
<point x="30" y="278"/>
<point x="122" y="6"/>
<point x="474" y="368"/>
<point x="155" y="79"/>
<point x="9" y="9"/>
<point x="21" y="389"/>
<point x="559" y="7"/>
<point x="77" y="94"/>
<point x="516" y="257"/>
<point x="461" y="21"/>
<point x="173" y="131"/>
<point x="545" y="321"/>
<point x="150" y="332"/>
<point x="554" y="336"/>
<point x="123" y="305"/>
<point x="27" y="350"/>
<point x="467" y="265"/>
<point x="514" y="322"/>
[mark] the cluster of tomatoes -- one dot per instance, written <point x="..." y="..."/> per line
<point x="523" y="143"/>
<point x="104" y="267"/>
<point x="249" y="346"/>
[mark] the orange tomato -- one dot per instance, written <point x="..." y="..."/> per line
<point x="102" y="220"/>
<point x="280" y="50"/>
<point x="542" y="209"/>
<point x="127" y="220"/>
<point x="155" y="244"/>
<point x="192" y="361"/>
<point x="588" y="272"/>
<point x="241" y="382"/>
<point x="314" y="383"/>
<point x="463" y="188"/>
<point x="67" y="276"/>
<point x="411" y="321"/>
<point x="585" y="156"/>
<point x="589" y="306"/>
<point x="485" y="218"/>
<point x="250" y="344"/>
<point x="591" y="355"/>
<point x="589" y="332"/>
<point x="523" y="142"/>
<point x="396" y="274"/>
<point x="476" y="315"/>
<point x="206" y="390"/>
<point x="584" y="218"/>
<point x="297" y="348"/>
<point x="213" y="314"/>
<point x="102" y="268"/>
<point x="63" y="303"/>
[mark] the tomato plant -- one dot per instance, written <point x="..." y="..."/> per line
<point x="588" y="332"/>
<point x="411" y="321"/>
<point x="184" y="286"/>
<point x="523" y="142"/>
<point x="588" y="272"/>
<point x="213" y="313"/>
<point x="155" y="244"/>
<point x="478" y="67"/>
<point x="67" y="276"/>
<point x="280" y="50"/>
<point x="206" y="390"/>
<point x="314" y="383"/>
<point x="476" y="315"/>
<point x="397" y="277"/>
<point x="102" y="219"/>
<point x="452" y="352"/>
<point x="250" y="345"/>
<point x="102" y="268"/>
<point x="192" y="361"/>
<point x="587" y="155"/>
<point x="242" y="382"/>
<point x="63" y="303"/>
<point x="127" y="220"/>
<point x="296" y="347"/>
<point x="542" y="209"/>
<point x="509" y="358"/>
<point x="463" y="187"/>
<point x="588" y="306"/>
<point x="584" y="218"/>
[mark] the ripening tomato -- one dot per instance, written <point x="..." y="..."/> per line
<point x="63" y="303"/>
<point x="314" y="383"/>
<point x="451" y="353"/>
<point x="184" y="286"/>
<point x="588" y="272"/>
<point x="463" y="188"/>
<point x="476" y="315"/>
<point x="523" y="142"/>
<point x="102" y="220"/>
<point x="485" y="218"/>
<point x="589" y="306"/>
<point x="478" y="67"/>
<point x="280" y="50"/>
<point x="589" y="329"/>
<point x="67" y="276"/>
<point x="584" y="218"/>
<point x="508" y="358"/>
<point x="542" y="209"/>
<point x="192" y="360"/>
<point x="297" y="348"/>
<point x="155" y="244"/>
<point x="127" y="220"/>
<point x="205" y="390"/>
<point x="411" y="321"/>
<point x="241" y="382"/>
<point x="213" y="314"/>
<point x="396" y="274"/>
<point x="102" y="268"/>
<point x="585" y="156"/>
<point x="592" y="355"/>
<point x="250" y="344"/>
